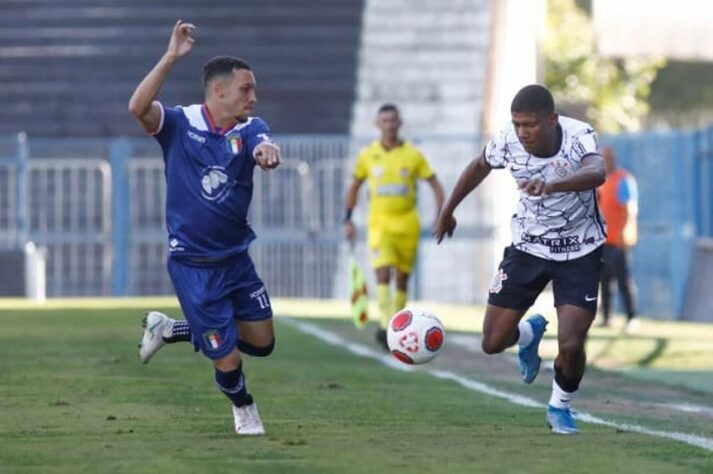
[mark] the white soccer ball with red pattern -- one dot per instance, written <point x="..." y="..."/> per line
<point x="415" y="335"/>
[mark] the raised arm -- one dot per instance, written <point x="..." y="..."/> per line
<point x="142" y="104"/>
<point x="476" y="171"/>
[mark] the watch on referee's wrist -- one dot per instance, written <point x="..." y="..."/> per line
<point x="348" y="215"/>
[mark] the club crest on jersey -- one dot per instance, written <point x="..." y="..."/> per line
<point x="404" y="172"/>
<point x="377" y="171"/>
<point x="560" y="168"/>
<point x="215" y="185"/>
<point x="234" y="143"/>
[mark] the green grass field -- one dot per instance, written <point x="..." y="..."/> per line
<point x="76" y="399"/>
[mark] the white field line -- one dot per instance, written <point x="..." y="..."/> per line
<point x="687" y="408"/>
<point x="364" y="351"/>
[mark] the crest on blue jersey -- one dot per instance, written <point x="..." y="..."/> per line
<point x="234" y="143"/>
<point x="215" y="185"/>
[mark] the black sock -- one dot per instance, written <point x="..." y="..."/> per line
<point x="516" y="337"/>
<point x="568" y="386"/>
<point x="232" y="384"/>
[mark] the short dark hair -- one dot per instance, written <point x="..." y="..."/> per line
<point x="222" y="66"/>
<point x="533" y="99"/>
<point x="389" y="107"/>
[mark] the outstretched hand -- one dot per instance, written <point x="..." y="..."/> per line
<point x="445" y="225"/>
<point x="182" y="40"/>
<point x="267" y="156"/>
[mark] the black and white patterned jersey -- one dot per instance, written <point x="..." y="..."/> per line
<point x="558" y="226"/>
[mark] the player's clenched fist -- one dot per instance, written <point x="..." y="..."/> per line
<point x="267" y="156"/>
<point x="533" y="187"/>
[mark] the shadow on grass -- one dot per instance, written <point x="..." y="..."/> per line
<point x="659" y="347"/>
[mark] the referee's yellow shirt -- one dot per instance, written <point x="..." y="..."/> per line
<point x="391" y="176"/>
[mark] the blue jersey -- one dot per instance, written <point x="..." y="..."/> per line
<point x="209" y="182"/>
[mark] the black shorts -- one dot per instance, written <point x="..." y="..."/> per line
<point x="521" y="278"/>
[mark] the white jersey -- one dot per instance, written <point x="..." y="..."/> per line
<point x="558" y="226"/>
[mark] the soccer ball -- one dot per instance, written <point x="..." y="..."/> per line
<point x="415" y="335"/>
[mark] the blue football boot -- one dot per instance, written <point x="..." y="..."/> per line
<point x="560" y="420"/>
<point x="528" y="357"/>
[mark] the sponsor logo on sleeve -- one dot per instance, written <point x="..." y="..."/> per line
<point x="265" y="138"/>
<point x="195" y="137"/>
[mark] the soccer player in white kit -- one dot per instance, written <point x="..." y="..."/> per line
<point x="557" y="236"/>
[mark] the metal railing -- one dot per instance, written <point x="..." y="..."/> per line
<point x="98" y="208"/>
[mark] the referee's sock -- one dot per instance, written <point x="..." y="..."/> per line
<point x="383" y="299"/>
<point x="400" y="299"/>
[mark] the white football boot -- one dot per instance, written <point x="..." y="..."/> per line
<point x="156" y="325"/>
<point x="247" y="420"/>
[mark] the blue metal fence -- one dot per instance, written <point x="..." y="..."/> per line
<point x="674" y="177"/>
<point x="98" y="207"/>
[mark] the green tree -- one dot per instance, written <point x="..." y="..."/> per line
<point x="614" y="92"/>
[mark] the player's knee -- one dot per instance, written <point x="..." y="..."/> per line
<point x="572" y="348"/>
<point x="254" y="350"/>
<point x="228" y="363"/>
<point x="490" y="346"/>
<point x="492" y="341"/>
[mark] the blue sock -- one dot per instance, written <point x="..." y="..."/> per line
<point x="181" y="332"/>
<point x="232" y="384"/>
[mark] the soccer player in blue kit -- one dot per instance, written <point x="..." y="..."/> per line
<point x="210" y="152"/>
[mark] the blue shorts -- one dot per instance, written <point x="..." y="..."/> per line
<point x="521" y="278"/>
<point x="213" y="296"/>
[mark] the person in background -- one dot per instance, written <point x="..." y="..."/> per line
<point x="618" y="200"/>
<point x="392" y="167"/>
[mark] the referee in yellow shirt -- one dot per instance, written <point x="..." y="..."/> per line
<point x="391" y="166"/>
